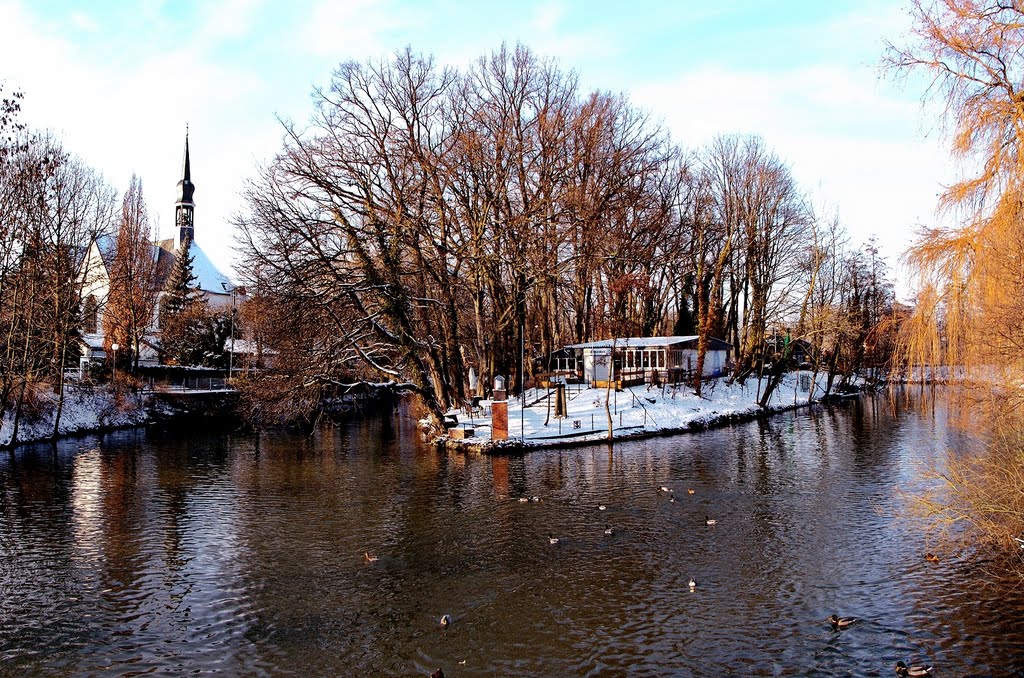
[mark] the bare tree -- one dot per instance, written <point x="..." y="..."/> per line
<point x="715" y="231"/>
<point x="134" y="278"/>
<point x="432" y="220"/>
<point x="75" y="206"/>
<point x="344" y="218"/>
<point x="55" y="206"/>
<point x="773" y="225"/>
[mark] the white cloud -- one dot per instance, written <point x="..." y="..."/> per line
<point x="227" y="18"/>
<point x="851" y="142"/>
<point x="355" y="29"/>
<point x="84" y="22"/>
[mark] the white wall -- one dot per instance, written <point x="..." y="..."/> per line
<point x="596" y="365"/>
<point x="714" y="361"/>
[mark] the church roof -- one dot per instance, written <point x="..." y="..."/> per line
<point x="209" y="278"/>
<point x="164" y="251"/>
<point x="106" y="244"/>
<point x="688" y="341"/>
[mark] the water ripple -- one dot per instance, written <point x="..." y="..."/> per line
<point x="175" y="552"/>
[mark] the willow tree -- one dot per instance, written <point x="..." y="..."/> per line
<point x="972" y="273"/>
<point x="971" y="303"/>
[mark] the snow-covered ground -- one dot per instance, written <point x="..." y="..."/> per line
<point x="84" y="410"/>
<point x="636" y="411"/>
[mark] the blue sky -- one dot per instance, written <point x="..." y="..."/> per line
<point x="118" y="81"/>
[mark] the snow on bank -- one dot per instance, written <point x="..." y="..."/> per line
<point x="636" y="411"/>
<point x="85" y="409"/>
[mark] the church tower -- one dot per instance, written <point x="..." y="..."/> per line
<point x="184" y="208"/>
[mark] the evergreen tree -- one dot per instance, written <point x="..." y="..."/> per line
<point x="180" y="291"/>
<point x="196" y="337"/>
<point x="184" y="319"/>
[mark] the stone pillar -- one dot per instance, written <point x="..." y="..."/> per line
<point x="561" y="406"/>
<point x="499" y="411"/>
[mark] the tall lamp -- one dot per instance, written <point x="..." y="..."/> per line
<point x="114" y="348"/>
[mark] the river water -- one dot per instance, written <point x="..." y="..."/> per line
<point x="171" y="552"/>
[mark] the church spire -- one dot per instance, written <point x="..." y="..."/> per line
<point x="187" y="174"/>
<point x="184" y="208"/>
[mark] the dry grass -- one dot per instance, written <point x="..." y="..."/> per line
<point x="977" y="502"/>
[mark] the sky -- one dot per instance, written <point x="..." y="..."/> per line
<point x="119" y="81"/>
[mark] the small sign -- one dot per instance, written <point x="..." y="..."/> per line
<point x="576" y="423"/>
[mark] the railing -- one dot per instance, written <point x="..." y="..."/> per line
<point x="173" y="384"/>
<point x="181" y="384"/>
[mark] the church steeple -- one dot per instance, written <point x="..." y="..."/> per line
<point x="184" y="208"/>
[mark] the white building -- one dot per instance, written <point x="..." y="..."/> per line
<point x="97" y="263"/>
<point x="635" y="360"/>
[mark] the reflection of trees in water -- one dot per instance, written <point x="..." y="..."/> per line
<point x="268" y="535"/>
<point x="122" y="518"/>
<point x="969" y="309"/>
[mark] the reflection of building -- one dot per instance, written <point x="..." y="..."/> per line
<point x="645" y="359"/>
<point x="214" y="286"/>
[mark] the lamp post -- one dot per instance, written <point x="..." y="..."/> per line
<point x="235" y="290"/>
<point x="113" y="378"/>
<point x="231" y="351"/>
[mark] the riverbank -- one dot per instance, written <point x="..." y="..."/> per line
<point x="85" y="410"/>
<point x="636" y="412"/>
<point x="95" y="409"/>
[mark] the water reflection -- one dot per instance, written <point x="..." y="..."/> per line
<point x="169" y="552"/>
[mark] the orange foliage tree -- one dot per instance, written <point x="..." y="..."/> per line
<point x="970" y="309"/>
<point x="134" y="279"/>
<point x="972" y="275"/>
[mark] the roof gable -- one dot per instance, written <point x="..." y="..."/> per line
<point x="208" y="277"/>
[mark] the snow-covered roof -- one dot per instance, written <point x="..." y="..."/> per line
<point x="93" y="340"/>
<point x="209" y="278"/>
<point x="106" y="244"/>
<point x="246" y="346"/>
<point x="651" y="342"/>
<point x="635" y="342"/>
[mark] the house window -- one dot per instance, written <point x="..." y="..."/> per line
<point x="90" y="315"/>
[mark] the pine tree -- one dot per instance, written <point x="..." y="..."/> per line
<point x="184" y="318"/>
<point x="180" y="290"/>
